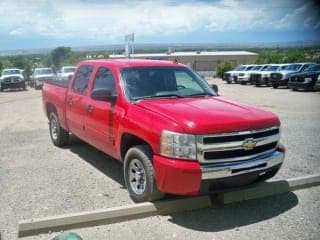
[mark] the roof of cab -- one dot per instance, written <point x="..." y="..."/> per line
<point x="122" y="63"/>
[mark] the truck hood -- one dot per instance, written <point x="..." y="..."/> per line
<point x="67" y="74"/>
<point x="209" y="115"/>
<point x="306" y="74"/>
<point x="44" y="76"/>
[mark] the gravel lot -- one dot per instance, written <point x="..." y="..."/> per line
<point x="38" y="179"/>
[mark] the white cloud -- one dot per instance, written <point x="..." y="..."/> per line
<point x="16" y="32"/>
<point x="112" y="20"/>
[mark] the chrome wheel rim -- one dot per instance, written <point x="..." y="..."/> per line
<point x="54" y="128"/>
<point x="137" y="176"/>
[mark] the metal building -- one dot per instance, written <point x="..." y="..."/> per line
<point x="203" y="62"/>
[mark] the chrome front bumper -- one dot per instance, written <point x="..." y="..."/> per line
<point x="223" y="170"/>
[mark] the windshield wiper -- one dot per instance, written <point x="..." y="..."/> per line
<point x="200" y="95"/>
<point x="159" y="96"/>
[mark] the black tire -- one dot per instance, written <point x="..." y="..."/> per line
<point x="275" y="85"/>
<point x="228" y="81"/>
<point x="294" y="89"/>
<point x="139" y="157"/>
<point x="59" y="136"/>
<point x="257" y="84"/>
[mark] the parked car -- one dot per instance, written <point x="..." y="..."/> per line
<point x="200" y="140"/>
<point x="65" y="73"/>
<point x="232" y="76"/>
<point x="306" y="80"/>
<point x="40" y="75"/>
<point x="12" y="78"/>
<point x="263" y="77"/>
<point x="281" y="78"/>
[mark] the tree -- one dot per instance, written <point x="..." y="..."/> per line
<point x="223" y="67"/>
<point x="58" y="56"/>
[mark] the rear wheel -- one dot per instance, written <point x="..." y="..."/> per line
<point x="275" y="85"/>
<point x="59" y="136"/>
<point x="139" y="175"/>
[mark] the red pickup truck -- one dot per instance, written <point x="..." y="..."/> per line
<point x="169" y="127"/>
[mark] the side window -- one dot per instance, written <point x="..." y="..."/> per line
<point x="81" y="81"/>
<point x="104" y="80"/>
<point x="184" y="80"/>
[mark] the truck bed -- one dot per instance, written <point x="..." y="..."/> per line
<point x="54" y="93"/>
<point x="60" y="83"/>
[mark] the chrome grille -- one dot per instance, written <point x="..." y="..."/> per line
<point x="226" y="76"/>
<point x="297" y="79"/>
<point x="255" y="76"/>
<point x="276" y="76"/>
<point x="237" y="146"/>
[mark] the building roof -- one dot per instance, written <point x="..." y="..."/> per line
<point x="197" y="53"/>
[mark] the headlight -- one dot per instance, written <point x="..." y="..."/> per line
<point x="177" y="145"/>
<point x="307" y="79"/>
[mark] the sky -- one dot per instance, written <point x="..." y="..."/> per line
<point x="29" y="24"/>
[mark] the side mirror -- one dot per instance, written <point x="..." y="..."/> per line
<point x="215" y="88"/>
<point x="103" y="95"/>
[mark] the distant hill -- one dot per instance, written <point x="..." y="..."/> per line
<point x="152" y="47"/>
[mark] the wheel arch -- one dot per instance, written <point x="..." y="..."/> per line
<point x="128" y="141"/>
<point x="50" y="107"/>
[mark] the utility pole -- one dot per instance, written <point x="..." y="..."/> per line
<point x="129" y="39"/>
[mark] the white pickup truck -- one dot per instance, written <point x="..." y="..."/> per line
<point x="12" y="78"/>
<point x="40" y="75"/>
<point x="281" y="78"/>
<point x="65" y="73"/>
<point x="232" y="76"/>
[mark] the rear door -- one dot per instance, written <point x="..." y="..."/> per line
<point x="99" y="122"/>
<point x="75" y="102"/>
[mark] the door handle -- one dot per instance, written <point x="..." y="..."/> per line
<point x="90" y="108"/>
<point x="69" y="101"/>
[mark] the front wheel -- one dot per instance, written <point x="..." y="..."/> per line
<point x="59" y="136"/>
<point x="139" y="175"/>
<point x="275" y="85"/>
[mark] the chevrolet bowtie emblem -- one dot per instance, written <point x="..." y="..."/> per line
<point x="249" y="144"/>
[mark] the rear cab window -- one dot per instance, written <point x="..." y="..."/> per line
<point x="81" y="81"/>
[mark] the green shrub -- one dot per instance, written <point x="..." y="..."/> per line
<point x="223" y="67"/>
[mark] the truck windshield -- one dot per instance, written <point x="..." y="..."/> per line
<point x="249" y="68"/>
<point x="43" y="71"/>
<point x="69" y="70"/>
<point x="258" y="67"/>
<point x="315" y="67"/>
<point x="272" y="68"/>
<point x="240" y="68"/>
<point x="163" y="82"/>
<point x="11" y="72"/>
<point x="293" y="67"/>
